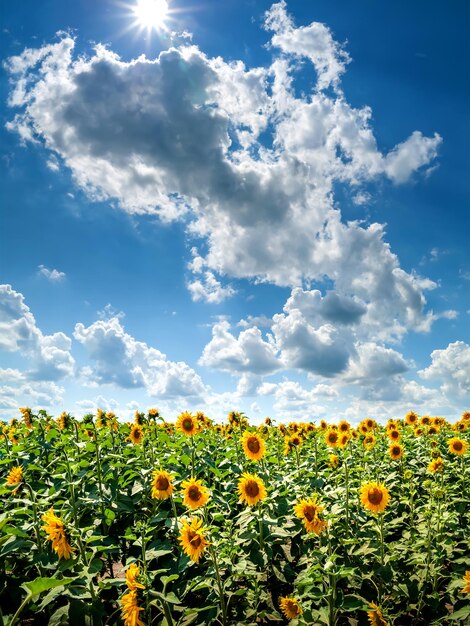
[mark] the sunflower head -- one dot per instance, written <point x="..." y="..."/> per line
<point x="370" y="423"/>
<point x="251" y="489"/>
<point x="54" y="527"/>
<point x="195" y="494"/>
<point x="323" y="425"/>
<point x="411" y="418"/>
<point x="369" y="442"/>
<point x="187" y="424"/>
<point x="375" y="615"/>
<point x="343" y="440"/>
<point x="331" y="438"/>
<point x="457" y="446"/>
<point x="344" y="426"/>
<point x="161" y="485"/>
<point x="436" y="466"/>
<point x="333" y="460"/>
<point x="394" y="434"/>
<point x="374" y="497"/>
<point x="253" y="446"/>
<point x="136" y="435"/>
<point x="192" y="538"/>
<point x="15" y="475"/>
<point x="290" y="607"/>
<point x="395" y="451"/>
<point x="309" y="511"/>
<point x="132" y="575"/>
<point x="27" y="417"/>
<point x="466" y="581"/>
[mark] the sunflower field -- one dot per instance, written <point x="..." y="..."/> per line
<point x="157" y="523"/>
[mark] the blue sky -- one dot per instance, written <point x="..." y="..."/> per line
<point x="254" y="206"/>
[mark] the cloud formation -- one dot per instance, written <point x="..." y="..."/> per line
<point x="119" y="359"/>
<point x="49" y="355"/>
<point x="233" y="151"/>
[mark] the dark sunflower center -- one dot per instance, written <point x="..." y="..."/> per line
<point x="310" y="513"/>
<point x="195" y="540"/>
<point x="187" y="424"/>
<point x="343" y="428"/>
<point x="375" y="496"/>
<point x="162" y="483"/>
<point x="394" y="434"/>
<point x="253" y="445"/>
<point x="332" y="437"/>
<point x="252" y="488"/>
<point x="396" y="450"/>
<point x="292" y="607"/>
<point x="194" y="493"/>
<point x="458" y="445"/>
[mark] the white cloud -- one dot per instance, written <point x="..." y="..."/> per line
<point x="450" y="368"/>
<point x="49" y="355"/>
<point x="18" y="390"/>
<point x="247" y="353"/>
<point x="234" y="151"/>
<point x="209" y="289"/>
<point x="54" y="276"/>
<point x="121" y="360"/>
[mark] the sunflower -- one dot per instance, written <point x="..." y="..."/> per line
<point x="130" y="609"/>
<point x="375" y="615"/>
<point x="425" y="420"/>
<point x="251" y="489"/>
<point x="333" y="460"/>
<point x="395" y="451"/>
<point x="369" y="442"/>
<point x="394" y="434"/>
<point x="64" y="421"/>
<point x="27" y="417"/>
<point x="418" y="432"/>
<point x="161" y="485"/>
<point x="323" y="425"/>
<point x="192" y="539"/>
<point x="343" y="440"/>
<point x="363" y="428"/>
<point x="436" y="465"/>
<point x="15" y="475"/>
<point x="54" y="527"/>
<point x="344" y="426"/>
<point x="136" y="435"/>
<point x="187" y="424"/>
<point x="195" y="494"/>
<point x="132" y="573"/>
<point x="370" y="423"/>
<point x="466" y="580"/>
<point x="253" y="446"/>
<point x="374" y="497"/>
<point x="458" y="446"/>
<point x="411" y="418"/>
<point x="331" y="438"/>
<point x="290" y="607"/>
<point x="309" y="512"/>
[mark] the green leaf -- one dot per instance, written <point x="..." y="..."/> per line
<point x="461" y="614"/>
<point x="35" y="587"/>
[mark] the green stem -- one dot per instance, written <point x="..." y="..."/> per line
<point x="193" y="457"/>
<point x="36" y="522"/>
<point x="260" y="524"/>
<point x="22" y="605"/>
<point x="346" y="477"/>
<point x="219" y="585"/>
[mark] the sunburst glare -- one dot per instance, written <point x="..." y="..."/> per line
<point x="151" y="14"/>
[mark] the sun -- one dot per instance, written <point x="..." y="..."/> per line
<point x="151" y="14"/>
